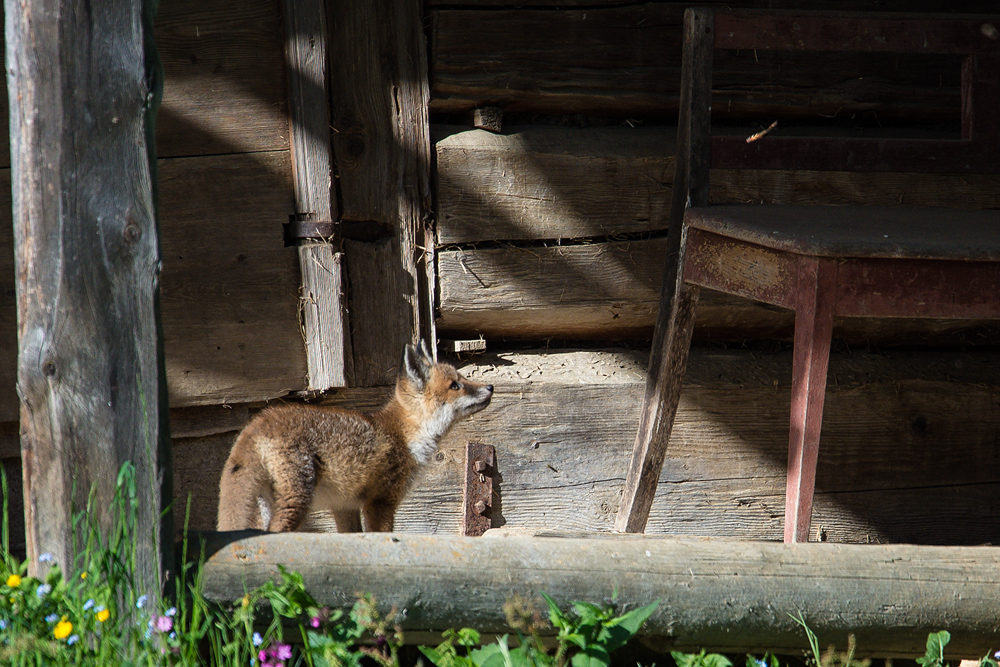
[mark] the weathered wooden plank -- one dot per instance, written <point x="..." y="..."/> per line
<point x="610" y="290"/>
<point x="544" y="183"/>
<point x="547" y="182"/>
<point x="228" y="281"/>
<point x="724" y="596"/>
<point x="381" y="143"/>
<point x="325" y="329"/>
<point x="624" y="62"/>
<point x="907" y="453"/>
<point x="84" y="87"/>
<point x="224" y="77"/>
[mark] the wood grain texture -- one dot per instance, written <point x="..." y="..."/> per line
<point x="228" y="281"/>
<point x="325" y="329"/>
<point x="624" y="62"/>
<point x="90" y="358"/>
<point x="224" y="77"/>
<point x="547" y="182"/>
<point x="907" y="453"/>
<point x="723" y="596"/>
<point x="381" y="143"/>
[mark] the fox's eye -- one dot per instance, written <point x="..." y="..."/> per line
<point x="455" y="386"/>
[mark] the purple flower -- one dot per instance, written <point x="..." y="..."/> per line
<point x="315" y="621"/>
<point x="275" y="655"/>
<point x="162" y="623"/>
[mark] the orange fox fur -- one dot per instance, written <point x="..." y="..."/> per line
<point x="294" y="459"/>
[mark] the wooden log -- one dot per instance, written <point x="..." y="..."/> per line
<point x="624" y="62"/>
<point x="382" y="149"/>
<point x="324" y="316"/>
<point x="539" y="182"/>
<point x="722" y="596"/>
<point x="609" y="290"/>
<point x="90" y="364"/>
<point x="908" y="451"/>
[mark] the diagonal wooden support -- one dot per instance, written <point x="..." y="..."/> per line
<point x="675" y="319"/>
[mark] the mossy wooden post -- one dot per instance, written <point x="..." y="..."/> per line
<point x="84" y="83"/>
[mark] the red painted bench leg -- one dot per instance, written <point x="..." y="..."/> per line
<point x="815" y="296"/>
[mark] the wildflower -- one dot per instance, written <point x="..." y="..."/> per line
<point x="257" y="639"/>
<point x="171" y="612"/>
<point x="141" y="602"/>
<point x="13" y="581"/>
<point x="63" y="629"/>
<point x="45" y="558"/>
<point x="72" y="640"/>
<point x="88" y="604"/>
<point x="997" y="655"/>
<point x="103" y="615"/>
<point x="275" y="655"/>
<point x="245" y="601"/>
<point x="314" y="621"/>
<point x="83" y="575"/>
<point x="3" y="624"/>
<point x="52" y="618"/>
<point x="43" y="590"/>
<point x="161" y="623"/>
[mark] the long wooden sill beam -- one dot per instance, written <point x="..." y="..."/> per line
<point x="719" y="595"/>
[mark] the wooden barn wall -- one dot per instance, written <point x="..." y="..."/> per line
<point x="553" y="227"/>
<point x="549" y="230"/>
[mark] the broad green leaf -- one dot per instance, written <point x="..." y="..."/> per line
<point x="594" y="656"/>
<point x="936" y="641"/>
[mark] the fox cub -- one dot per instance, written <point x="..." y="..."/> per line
<point x="294" y="459"/>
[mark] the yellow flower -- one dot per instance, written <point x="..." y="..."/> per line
<point x="246" y="600"/>
<point x="83" y="575"/>
<point x="62" y="629"/>
<point x="13" y="581"/>
<point x="103" y="615"/>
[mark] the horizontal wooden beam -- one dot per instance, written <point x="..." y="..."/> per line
<point x="719" y="595"/>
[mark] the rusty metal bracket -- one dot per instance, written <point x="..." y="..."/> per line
<point x="477" y="494"/>
<point x="302" y="227"/>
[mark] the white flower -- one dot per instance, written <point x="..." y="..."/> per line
<point x="88" y="604"/>
<point x="170" y="612"/>
<point x="43" y="590"/>
<point x="257" y="639"/>
<point x="45" y="557"/>
<point x="141" y="602"/>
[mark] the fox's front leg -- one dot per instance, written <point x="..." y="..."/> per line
<point x="379" y="517"/>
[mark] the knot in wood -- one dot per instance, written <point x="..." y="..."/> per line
<point x="132" y="232"/>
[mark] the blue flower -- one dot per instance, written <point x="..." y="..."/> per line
<point x="170" y="612"/>
<point x="72" y="640"/>
<point x="52" y="618"/>
<point x="88" y="604"/>
<point x="43" y="590"/>
<point x="141" y="602"/>
<point x="257" y="639"/>
<point x="3" y="624"/>
<point x="45" y="557"/>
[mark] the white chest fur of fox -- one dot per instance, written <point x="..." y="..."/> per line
<point x="291" y="460"/>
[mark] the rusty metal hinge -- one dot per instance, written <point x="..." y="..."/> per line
<point x="302" y="227"/>
<point x="477" y="494"/>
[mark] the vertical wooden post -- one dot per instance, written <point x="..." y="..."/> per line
<point x="381" y="140"/>
<point x="324" y="318"/>
<point x="84" y="84"/>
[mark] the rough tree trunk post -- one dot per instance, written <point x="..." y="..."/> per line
<point x="84" y="83"/>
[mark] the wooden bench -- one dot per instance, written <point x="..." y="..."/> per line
<point x="820" y="261"/>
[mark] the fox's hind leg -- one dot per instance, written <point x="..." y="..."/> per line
<point x="379" y="517"/>
<point x="293" y="482"/>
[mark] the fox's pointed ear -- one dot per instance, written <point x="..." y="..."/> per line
<point x="426" y="351"/>
<point x="416" y="365"/>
